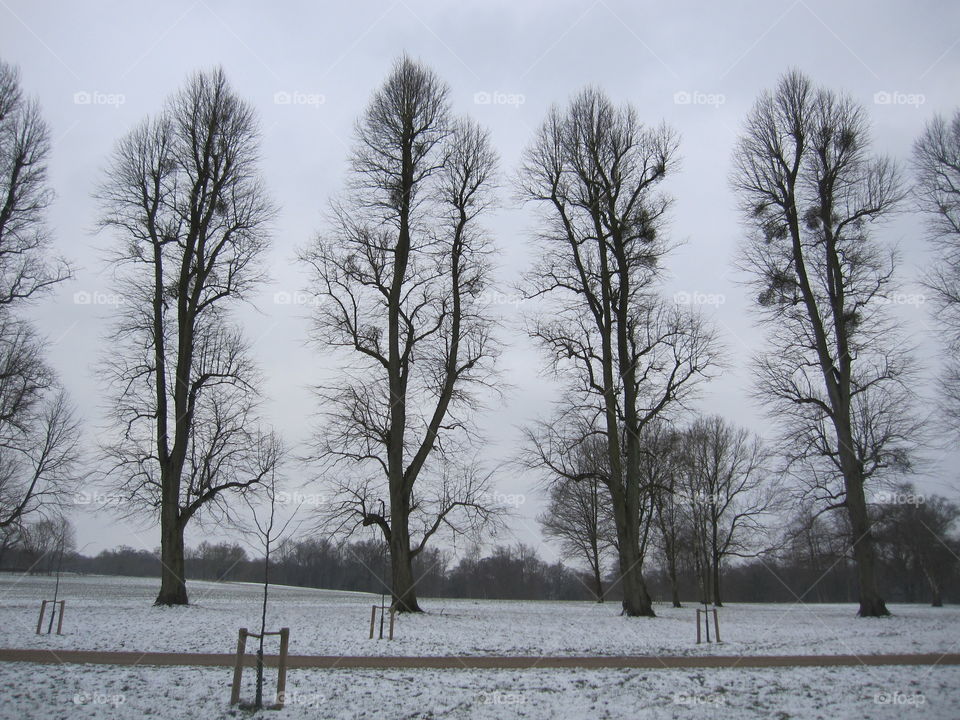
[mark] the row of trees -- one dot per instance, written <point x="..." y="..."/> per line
<point x="399" y="272"/>
<point x="707" y="496"/>
<point x="917" y="545"/>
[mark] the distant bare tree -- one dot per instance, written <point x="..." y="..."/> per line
<point x="918" y="533"/>
<point x="39" y="435"/>
<point x="936" y="157"/>
<point x="184" y="196"/>
<point x="729" y="491"/>
<point x="670" y="512"/>
<point x="45" y="540"/>
<point x="578" y="513"/>
<point x="835" y="378"/>
<point x="400" y="277"/>
<point x="595" y="170"/>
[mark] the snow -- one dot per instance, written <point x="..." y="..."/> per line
<point x="83" y="691"/>
<point x="109" y="613"/>
<point x="112" y="613"/>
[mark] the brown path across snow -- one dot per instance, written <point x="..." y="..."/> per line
<point x="460" y="662"/>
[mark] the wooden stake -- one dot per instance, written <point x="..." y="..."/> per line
<point x="238" y="668"/>
<point x="60" y="620"/>
<point x="282" y="670"/>
<point x="373" y="620"/>
<point x="392" y="615"/>
<point x="43" y="608"/>
<point x="716" y="625"/>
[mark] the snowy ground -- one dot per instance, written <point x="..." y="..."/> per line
<point x="106" y="613"/>
<point x="110" y="613"/>
<point x="83" y="691"/>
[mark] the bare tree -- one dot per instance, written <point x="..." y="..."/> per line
<point x="266" y="531"/>
<point x="595" y="169"/>
<point x="729" y="491"/>
<point x="39" y="435"/>
<point x="45" y="541"/>
<point x="399" y="277"/>
<point x="578" y="514"/>
<point x="671" y="511"/>
<point x="835" y="378"/>
<point x="26" y="267"/>
<point x="917" y="533"/>
<point x="936" y="156"/>
<point x="185" y="199"/>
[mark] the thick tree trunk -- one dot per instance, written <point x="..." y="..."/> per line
<point x="636" y="599"/>
<point x="173" y="587"/>
<point x="403" y="585"/>
<point x="871" y="604"/>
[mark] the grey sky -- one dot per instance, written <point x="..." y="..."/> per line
<point x="99" y="68"/>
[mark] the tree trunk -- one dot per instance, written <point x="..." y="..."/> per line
<point x="173" y="587"/>
<point x="935" y="593"/>
<point x="636" y="599"/>
<point x="403" y="585"/>
<point x="715" y="569"/>
<point x="672" y="574"/>
<point x="597" y="583"/>
<point x="871" y="604"/>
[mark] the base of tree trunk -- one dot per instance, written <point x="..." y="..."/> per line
<point x="407" y="607"/>
<point x="676" y="604"/>
<point x="639" y="612"/>
<point x="937" y="603"/>
<point x="873" y="608"/>
<point x="176" y="597"/>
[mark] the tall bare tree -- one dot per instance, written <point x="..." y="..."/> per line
<point x="185" y="199"/>
<point x="400" y="275"/>
<point x="731" y="495"/>
<point x="39" y="434"/>
<point x="578" y="514"/>
<point x="595" y="169"/>
<point x="835" y="377"/>
<point x="936" y="156"/>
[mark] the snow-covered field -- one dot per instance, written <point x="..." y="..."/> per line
<point x="107" y="613"/>
<point x="113" y="613"/>
<point x="84" y="691"/>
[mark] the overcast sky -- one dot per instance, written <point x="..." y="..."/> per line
<point x="309" y="68"/>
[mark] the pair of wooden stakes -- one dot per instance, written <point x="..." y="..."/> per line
<point x="706" y="613"/>
<point x="284" y="634"/>
<point x="53" y="614"/>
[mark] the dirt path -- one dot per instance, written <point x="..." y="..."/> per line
<point x="474" y="661"/>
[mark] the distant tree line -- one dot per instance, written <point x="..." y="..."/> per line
<point x="917" y="544"/>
